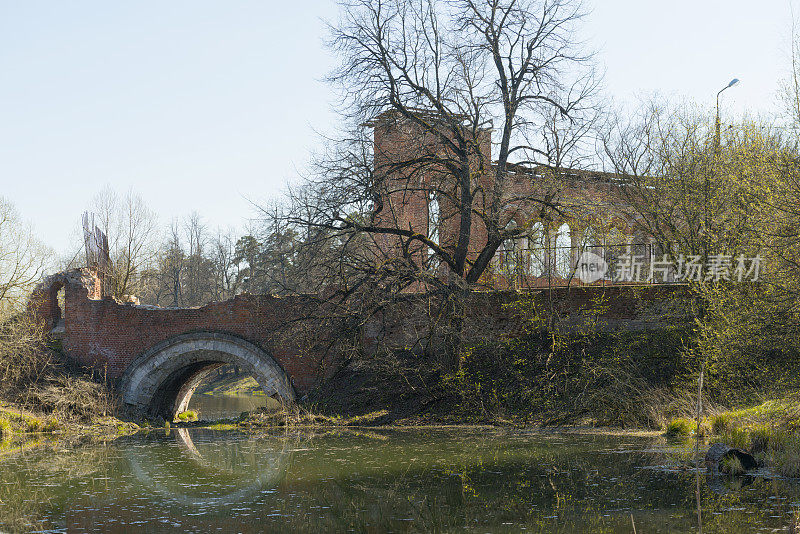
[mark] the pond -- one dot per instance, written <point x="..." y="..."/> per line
<point x="380" y="480"/>
<point x="213" y="407"/>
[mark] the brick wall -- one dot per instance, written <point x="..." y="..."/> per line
<point x="490" y="315"/>
<point x="108" y="335"/>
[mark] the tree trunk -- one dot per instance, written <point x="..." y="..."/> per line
<point x="453" y="324"/>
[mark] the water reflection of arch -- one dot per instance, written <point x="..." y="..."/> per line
<point x="274" y="456"/>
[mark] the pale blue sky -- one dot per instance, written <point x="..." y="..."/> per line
<point x="199" y="105"/>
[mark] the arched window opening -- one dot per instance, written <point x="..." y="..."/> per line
<point x="563" y="251"/>
<point x="57" y="309"/>
<point x="592" y="241"/>
<point x="433" y="218"/>
<point x="537" y="250"/>
<point x="511" y="253"/>
<point x="615" y="247"/>
<point x="434" y="228"/>
<point x="62" y="306"/>
<point x="588" y="239"/>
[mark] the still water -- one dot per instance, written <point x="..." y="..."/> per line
<point x="213" y="407"/>
<point x="455" y="480"/>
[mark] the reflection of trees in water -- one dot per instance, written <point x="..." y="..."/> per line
<point x="21" y="506"/>
<point x="424" y="480"/>
<point x="31" y="483"/>
<point x="560" y="485"/>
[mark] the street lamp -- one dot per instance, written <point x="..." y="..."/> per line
<point x="716" y="131"/>
<point x="706" y="221"/>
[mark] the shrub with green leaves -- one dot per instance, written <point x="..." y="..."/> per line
<point x="681" y="427"/>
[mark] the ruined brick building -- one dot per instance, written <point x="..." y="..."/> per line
<point x="592" y="211"/>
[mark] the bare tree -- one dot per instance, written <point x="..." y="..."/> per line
<point x="131" y="229"/>
<point x="692" y="196"/>
<point x="22" y="259"/>
<point x="192" y="268"/>
<point x="166" y="277"/>
<point x="460" y="78"/>
<point x="198" y="268"/>
<point x="226" y="271"/>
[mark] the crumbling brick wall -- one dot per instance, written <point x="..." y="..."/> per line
<point x="107" y="335"/>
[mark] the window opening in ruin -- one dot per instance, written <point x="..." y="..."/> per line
<point x="537" y="246"/>
<point x="58" y="320"/>
<point x="563" y="251"/>
<point x="433" y="228"/>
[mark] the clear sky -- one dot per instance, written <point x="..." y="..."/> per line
<point x="202" y="105"/>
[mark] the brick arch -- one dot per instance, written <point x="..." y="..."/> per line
<point x="161" y="381"/>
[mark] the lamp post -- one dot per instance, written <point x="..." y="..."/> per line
<point x="717" y="148"/>
<point x="716" y="131"/>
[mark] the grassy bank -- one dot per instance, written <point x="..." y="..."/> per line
<point x="43" y="395"/>
<point x="233" y="386"/>
<point x="769" y="430"/>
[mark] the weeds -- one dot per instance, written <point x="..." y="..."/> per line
<point x="767" y="430"/>
<point x="785" y="460"/>
<point x="33" y="424"/>
<point x="24" y="357"/>
<point x="5" y="430"/>
<point x="33" y="379"/>
<point x="51" y="425"/>
<point x="188" y="415"/>
<point x="720" y="423"/>
<point x="681" y="427"/>
<point x="732" y="465"/>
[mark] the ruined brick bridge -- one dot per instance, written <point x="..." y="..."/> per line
<point x="156" y="357"/>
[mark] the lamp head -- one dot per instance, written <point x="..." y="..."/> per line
<point x="733" y="82"/>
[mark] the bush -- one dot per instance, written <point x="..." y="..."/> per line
<point x="720" y="423"/>
<point x="601" y="378"/>
<point x="69" y="397"/>
<point x="681" y="427"/>
<point x="188" y="415"/>
<point x="24" y="356"/>
<point x="34" y="380"/>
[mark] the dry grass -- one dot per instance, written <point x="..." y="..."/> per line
<point x="34" y="380"/>
<point x="24" y="357"/>
<point x="71" y="398"/>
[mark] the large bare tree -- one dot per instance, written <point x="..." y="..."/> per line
<point x="460" y="75"/>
